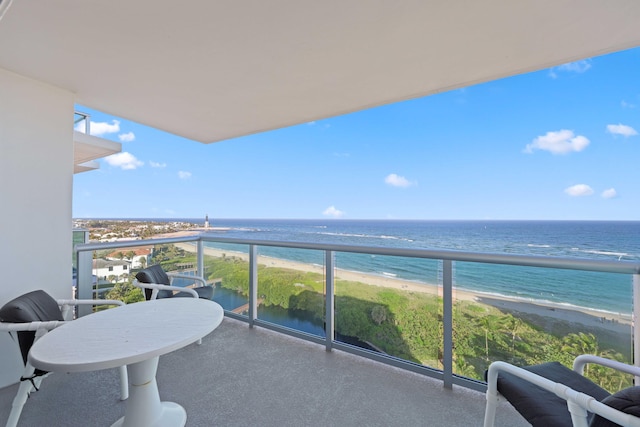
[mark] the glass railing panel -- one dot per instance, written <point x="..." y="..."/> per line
<point x="291" y="288"/>
<point x="394" y="304"/>
<point x="391" y="305"/>
<point x="531" y="315"/>
<point x="113" y="270"/>
<point x="226" y="267"/>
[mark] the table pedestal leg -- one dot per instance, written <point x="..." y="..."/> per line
<point x="143" y="406"/>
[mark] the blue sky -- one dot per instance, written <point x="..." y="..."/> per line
<point x="560" y="143"/>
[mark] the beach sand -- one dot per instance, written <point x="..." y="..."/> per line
<point x="537" y="312"/>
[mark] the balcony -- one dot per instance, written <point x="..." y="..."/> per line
<point x="254" y="376"/>
<point x="87" y="148"/>
<point x="262" y="369"/>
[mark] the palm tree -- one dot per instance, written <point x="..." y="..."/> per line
<point x="513" y="324"/>
<point x="489" y="324"/>
<point x="581" y="343"/>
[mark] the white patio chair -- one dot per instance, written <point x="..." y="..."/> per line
<point x="552" y="395"/>
<point x="156" y="283"/>
<point x="27" y="318"/>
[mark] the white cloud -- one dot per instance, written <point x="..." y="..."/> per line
<point x="626" y="104"/>
<point x="609" y="193"/>
<point x="127" y="137"/>
<point x="621" y="129"/>
<point x="397" y="181"/>
<point x="559" y="142"/>
<point x="571" y="67"/>
<point x="579" y="190"/>
<point x="124" y="161"/>
<point x="311" y="123"/>
<point x="577" y="66"/>
<point x="101" y="128"/>
<point x="157" y="164"/>
<point x="184" y="175"/>
<point x="332" y="211"/>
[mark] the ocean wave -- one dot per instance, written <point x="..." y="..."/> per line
<point x="543" y="302"/>
<point x="365" y="236"/>
<point x="533" y="245"/>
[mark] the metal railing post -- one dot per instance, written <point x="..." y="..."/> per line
<point x="634" y="323"/>
<point x="200" y="259"/>
<point x="84" y="281"/>
<point x="447" y="322"/>
<point x="87" y="121"/>
<point x="253" y="284"/>
<point x="329" y="325"/>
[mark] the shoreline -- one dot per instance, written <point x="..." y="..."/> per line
<point x="607" y="321"/>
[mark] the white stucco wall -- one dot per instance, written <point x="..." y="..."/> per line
<point x="36" y="178"/>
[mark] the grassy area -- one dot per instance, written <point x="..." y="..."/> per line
<point x="408" y="325"/>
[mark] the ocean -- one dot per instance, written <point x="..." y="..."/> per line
<point x="597" y="240"/>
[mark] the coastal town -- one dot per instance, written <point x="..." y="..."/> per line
<point x="114" y="230"/>
<point x="111" y="267"/>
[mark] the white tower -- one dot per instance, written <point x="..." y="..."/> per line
<point x="206" y="221"/>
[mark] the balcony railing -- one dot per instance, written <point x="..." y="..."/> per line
<point x="442" y="265"/>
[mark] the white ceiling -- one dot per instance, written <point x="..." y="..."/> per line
<point x="216" y="69"/>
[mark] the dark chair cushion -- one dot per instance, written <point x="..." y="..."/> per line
<point x="627" y="401"/>
<point x="204" y="292"/>
<point x="154" y="274"/>
<point x="540" y="407"/>
<point x="30" y="307"/>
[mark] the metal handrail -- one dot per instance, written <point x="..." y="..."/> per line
<point x="621" y="267"/>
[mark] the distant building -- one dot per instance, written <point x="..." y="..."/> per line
<point x="113" y="271"/>
<point x="140" y="258"/>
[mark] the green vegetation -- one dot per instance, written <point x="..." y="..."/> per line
<point x="408" y="325"/>
<point x="125" y="292"/>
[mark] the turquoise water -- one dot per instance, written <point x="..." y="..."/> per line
<point x="597" y="240"/>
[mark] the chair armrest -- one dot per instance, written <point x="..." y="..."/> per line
<point x="157" y="287"/>
<point x="578" y="403"/>
<point x="188" y="277"/>
<point x="580" y="362"/>
<point x="62" y="302"/>
<point x="31" y="326"/>
<point x="66" y="304"/>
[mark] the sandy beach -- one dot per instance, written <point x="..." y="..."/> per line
<point x="609" y="322"/>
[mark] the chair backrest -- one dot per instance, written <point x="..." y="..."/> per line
<point x="154" y="274"/>
<point x="626" y="400"/>
<point x="31" y="307"/>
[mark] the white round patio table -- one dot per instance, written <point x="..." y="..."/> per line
<point x="134" y="335"/>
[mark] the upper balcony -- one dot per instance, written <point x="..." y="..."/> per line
<point x="87" y="148"/>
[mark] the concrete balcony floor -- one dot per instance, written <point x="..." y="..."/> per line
<point x="241" y="376"/>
